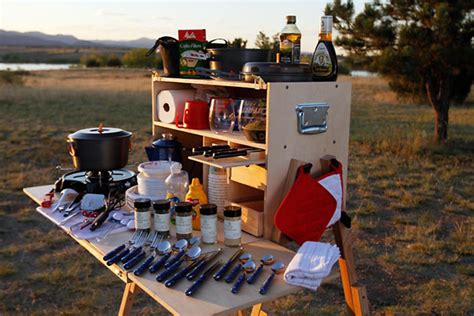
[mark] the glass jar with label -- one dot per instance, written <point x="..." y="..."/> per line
<point x="208" y="223"/>
<point x="184" y="220"/>
<point x="142" y="213"/>
<point x="232" y="226"/>
<point x="162" y="217"/>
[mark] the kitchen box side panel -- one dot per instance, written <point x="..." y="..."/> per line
<point x="285" y="142"/>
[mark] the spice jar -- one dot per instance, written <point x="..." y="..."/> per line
<point x="142" y="213"/>
<point x="184" y="220"/>
<point x="208" y="223"/>
<point x="232" y="223"/>
<point x="162" y="217"/>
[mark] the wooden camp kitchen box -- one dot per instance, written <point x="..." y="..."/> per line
<point x="305" y="121"/>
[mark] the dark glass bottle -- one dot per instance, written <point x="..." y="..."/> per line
<point x="324" y="62"/>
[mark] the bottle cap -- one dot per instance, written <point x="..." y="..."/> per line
<point x="161" y="205"/>
<point x="183" y="207"/>
<point x="232" y="211"/>
<point x="195" y="183"/>
<point x="208" y="209"/>
<point x="175" y="167"/>
<point x="142" y="203"/>
<point x="291" y="19"/>
<point x="326" y="24"/>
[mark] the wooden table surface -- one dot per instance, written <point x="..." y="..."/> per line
<point x="213" y="298"/>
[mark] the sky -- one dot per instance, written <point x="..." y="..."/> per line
<point x="126" y="20"/>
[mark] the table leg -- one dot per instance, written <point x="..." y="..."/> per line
<point x="127" y="299"/>
<point x="257" y="310"/>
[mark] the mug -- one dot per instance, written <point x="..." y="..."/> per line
<point x="196" y="115"/>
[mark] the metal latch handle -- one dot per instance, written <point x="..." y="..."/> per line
<point x="312" y="117"/>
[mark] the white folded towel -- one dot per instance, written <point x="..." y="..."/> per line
<point x="311" y="264"/>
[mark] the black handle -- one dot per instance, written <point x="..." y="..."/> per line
<point x="238" y="284"/>
<point x="112" y="253"/>
<point x="166" y="273"/>
<point x="193" y="288"/>
<point x="99" y="220"/>
<point x="117" y="257"/>
<point x="266" y="285"/>
<point x="194" y="272"/>
<point x="136" y="259"/>
<point x="219" y="274"/>
<point x="254" y="276"/>
<point x="177" y="276"/>
<point x="157" y="265"/>
<point x="132" y="254"/>
<point x="144" y="265"/>
<point x="236" y="153"/>
<point x="175" y="258"/>
<point x="233" y="273"/>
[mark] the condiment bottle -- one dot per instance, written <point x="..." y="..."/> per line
<point x="184" y="227"/>
<point x="142" y="213"/>
<point x="196" y="196"/>
<point x="232" y="226"/>
<point x="208" y="223"/>
<point x="324" y="62"/>
<point x="290" y="42"/>
<point x="162" y="217"/>
<point x="177" y="182"/>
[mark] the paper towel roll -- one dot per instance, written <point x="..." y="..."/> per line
<point x="171" y="103"/>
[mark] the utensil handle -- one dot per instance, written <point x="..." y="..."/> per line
<point x="194" y="272"/>
<point x="193" y="288"/>
<point x="133" y="262"/>
<point x="238" y="284"/>
<point x="145" y="264"/>
<point x="254" y="276"/>
<point x="99" y="220"/>
<point x="233" y="273"/>
<point x="132" y="254"/>
<point x="112" y="253"/>
<point x="219" y="274"/>
<point x="117" y="257"/>
<point x="266" y="285"/>
<point x="157" y="265"/>
<point x="175" y="278"/>
<point x="166" y="273"/>
<point x="175" y="259"/>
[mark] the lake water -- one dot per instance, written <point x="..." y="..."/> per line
<point x="362" y="73"/>
<point x="34" y="67"/>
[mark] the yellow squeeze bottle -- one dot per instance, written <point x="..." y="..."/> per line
<point x="196" y="196"/>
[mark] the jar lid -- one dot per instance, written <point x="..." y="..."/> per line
<point x="232" y="211"/>
<point x="183" y="207"/>
<point x="142" y="203"/>
<point x="208" y="209"/>
<point x="161" y="205"/>
<point x="99" y="133"/>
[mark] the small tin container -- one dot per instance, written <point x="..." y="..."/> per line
<point x="184" y="220"/>
<point x="142" y="213"/>
<point x="232" y="226"/>
<point x="162" y="217"/>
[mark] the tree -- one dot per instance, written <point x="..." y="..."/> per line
<point x="423" y="47"/>
<point x="264" y="42"/>
<point x="238" y="43"/>
<point x="136" y="58"/>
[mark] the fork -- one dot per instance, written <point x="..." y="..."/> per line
<point x="115" y="251"/>
<point x="136" y="248"/>
<point x="126" y="250"/>
<point x="149" y="260"/>
<point x="152" y="237"/>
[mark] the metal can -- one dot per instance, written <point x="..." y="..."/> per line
<point x="208" y="223"/>
<point x="184" y="220"/>
<point x="232" y="226"/>
<point x="142" y="213"/>
<point x="162" y="217"/>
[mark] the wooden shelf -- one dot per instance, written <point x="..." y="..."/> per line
<point x="212" y="82"/>
<point x="233" y="138"/>
<point x="230" y="162"/>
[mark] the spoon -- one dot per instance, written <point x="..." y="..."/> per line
<point x="266" y="260"/>
<point x="245" y="257"/>
<point x="181" y="274"/>
<point x="248" y="267"/>
<point x="192" y="254"/>
<point x="164" y="250"/>
<point x="181" y="246"/>
<point x="277" y="268"/>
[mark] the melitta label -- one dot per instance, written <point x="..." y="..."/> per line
<point x="142" y="220"/>
<point x="184" y="225"/>
<point x="162" y="222"/>
<point x="191" y="42"/>
<point x="232" y="229"/>
<point x="321" y="65"/>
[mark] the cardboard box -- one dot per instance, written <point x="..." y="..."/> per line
<point x="191" y="42"/>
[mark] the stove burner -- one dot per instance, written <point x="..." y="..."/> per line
<point x="101" y="182"/>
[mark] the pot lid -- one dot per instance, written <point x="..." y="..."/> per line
<point x="267" y="68"/>
<point x="99" y="133"/>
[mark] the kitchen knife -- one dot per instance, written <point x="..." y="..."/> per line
<point x="181" y="274"/>
<point x="195" y="272"/>
<point x="166" y="273"/>
<point x="219" y="274"/>
<point x="193" y="288"/>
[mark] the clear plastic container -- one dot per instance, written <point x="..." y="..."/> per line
<point x="177" y="182"/>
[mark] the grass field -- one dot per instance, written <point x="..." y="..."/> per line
<point x="411" y="202"/>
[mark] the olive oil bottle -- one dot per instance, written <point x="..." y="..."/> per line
<point x="290" y="42"/>
<point x="324" y="62"/>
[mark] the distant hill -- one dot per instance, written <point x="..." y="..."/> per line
<point x="13" y="38"/>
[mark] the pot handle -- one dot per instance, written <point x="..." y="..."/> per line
<point x="218" y="39"/>
<point x="71" y="148"/>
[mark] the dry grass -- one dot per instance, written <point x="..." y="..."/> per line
<point x="411" y="202"/>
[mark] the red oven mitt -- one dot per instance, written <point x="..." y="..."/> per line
<point x="311" y="205"/>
